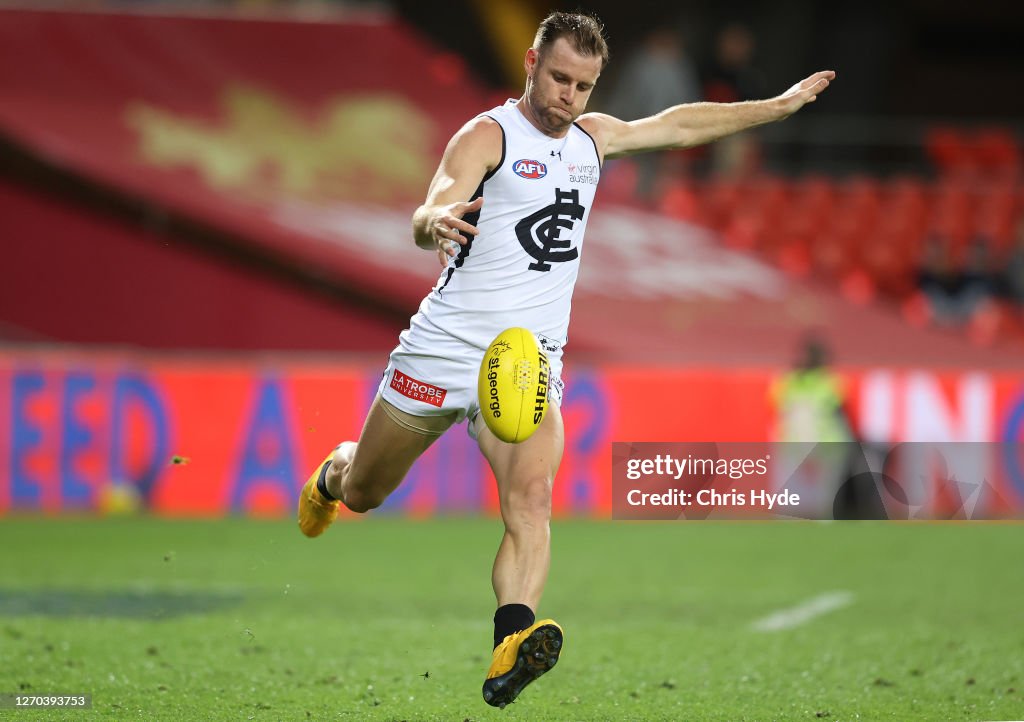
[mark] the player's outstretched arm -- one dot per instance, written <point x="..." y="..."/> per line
<point x="471" y="154"/>
<point x="684" y="126"/>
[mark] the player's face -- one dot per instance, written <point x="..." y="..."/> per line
<point x="558" y="85"/>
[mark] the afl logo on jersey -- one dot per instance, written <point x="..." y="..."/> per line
<point x="532" y="169"/>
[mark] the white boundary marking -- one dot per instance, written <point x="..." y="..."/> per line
<point x="804" y="612"/>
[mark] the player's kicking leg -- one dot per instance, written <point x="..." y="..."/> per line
<point x="524" y="649"/>
<point x="362" y="475"/>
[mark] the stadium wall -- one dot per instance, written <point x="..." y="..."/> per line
<point x="108" y="281"/>
<point x="210" y="436"/>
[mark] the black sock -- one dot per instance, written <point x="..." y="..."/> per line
<point x="321" y="483"/>
<point x="511" y="618"/>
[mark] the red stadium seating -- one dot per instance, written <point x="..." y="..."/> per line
<point x="868" y="236"/>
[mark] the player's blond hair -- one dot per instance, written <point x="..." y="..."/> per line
<point x="584" y="32"/>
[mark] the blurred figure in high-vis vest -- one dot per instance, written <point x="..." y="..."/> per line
<point x="810" y="399"/>
<point x="812" y="425"/>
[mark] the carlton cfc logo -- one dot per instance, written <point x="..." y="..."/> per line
<point x="530" y="169"/>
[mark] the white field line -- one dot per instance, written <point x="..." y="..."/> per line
<point x="803" y="612"/>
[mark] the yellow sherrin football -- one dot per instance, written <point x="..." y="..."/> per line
<point x="513" y="385"/>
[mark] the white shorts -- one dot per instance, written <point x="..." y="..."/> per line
<point x="445" y="380"/>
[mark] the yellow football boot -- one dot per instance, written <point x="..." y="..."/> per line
<point x="520" y="659"/>
<point x="315" y="512"/>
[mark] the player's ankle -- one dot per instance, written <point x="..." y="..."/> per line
<point x="332" y="486"/>
<point x="335" y="479"/>
<point x="511" y="618"/>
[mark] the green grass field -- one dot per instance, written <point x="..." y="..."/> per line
<point x="390" y="619"/>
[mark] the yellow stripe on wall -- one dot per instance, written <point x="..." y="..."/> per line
<point x="511" y="25"/>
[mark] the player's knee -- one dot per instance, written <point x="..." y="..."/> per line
<point x="529" y="502"/>
<point x="364" y="488"/>
<point x="363" y="500"/>
<point x="361" y="497"/>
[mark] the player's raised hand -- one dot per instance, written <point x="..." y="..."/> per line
<point x="804" y="92"/>
<point x="449" y="228"/>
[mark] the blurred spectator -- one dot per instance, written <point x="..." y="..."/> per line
<point x="954" y="295"/>
<point x="1013" y="269"/>
<point x="810" y="398"/>
<point x="979" y="282"/>
<point x="811" y="419"/>
<point x="936" y="278"/>
<point x="731" y="77"/>
<point x="658" y="75"/>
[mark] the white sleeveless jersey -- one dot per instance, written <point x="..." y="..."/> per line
<point x="521" y="268"/>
